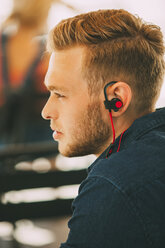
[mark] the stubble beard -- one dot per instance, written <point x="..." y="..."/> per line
<point x="90" y="134"/>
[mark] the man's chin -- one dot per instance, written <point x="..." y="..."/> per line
<point x="74" y="151"/>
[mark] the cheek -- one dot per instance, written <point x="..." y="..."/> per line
<point x="75" y="119"/>
<point x="68" y="119"/>
<point x="73" y="113"/>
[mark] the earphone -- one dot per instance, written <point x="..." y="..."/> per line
<point x="114" y="104"/>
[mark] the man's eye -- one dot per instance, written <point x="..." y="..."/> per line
<point x="58" y="95"/>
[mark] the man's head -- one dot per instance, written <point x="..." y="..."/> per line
<point x="87" y="52"/>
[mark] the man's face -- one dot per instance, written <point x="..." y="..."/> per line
<point x="76" y="118"/>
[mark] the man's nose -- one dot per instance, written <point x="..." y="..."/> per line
<point x="45" y="114"/>
<point x="48" y="111"/>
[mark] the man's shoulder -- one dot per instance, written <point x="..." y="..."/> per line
<point x="132" y="168"/>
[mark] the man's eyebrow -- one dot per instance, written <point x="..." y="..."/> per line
<point x="53" y="88"/>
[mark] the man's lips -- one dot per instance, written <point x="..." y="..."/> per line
<point x="56" y="132"/>
<point x="55" y="129"/>
<point x="56" y="135"/>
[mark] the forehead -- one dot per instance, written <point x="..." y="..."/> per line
<point x="65" y="68"/>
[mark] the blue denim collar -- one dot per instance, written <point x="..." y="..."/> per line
<point x="139" y="127"/>
<point x="144" y="125"/>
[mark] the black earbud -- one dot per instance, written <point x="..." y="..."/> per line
<point x="114" y="104"/>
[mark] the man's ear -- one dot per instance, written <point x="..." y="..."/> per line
<point x="123" y="92"/>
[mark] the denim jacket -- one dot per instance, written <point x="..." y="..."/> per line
<point x="121" y="203"/>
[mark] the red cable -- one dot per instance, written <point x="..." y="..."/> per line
<point x="113" y="129"/>
<point x="120" y="141"/>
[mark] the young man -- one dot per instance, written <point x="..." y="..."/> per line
<point x="114" y="56"/>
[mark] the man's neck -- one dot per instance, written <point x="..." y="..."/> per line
<point x="120" y="125"/>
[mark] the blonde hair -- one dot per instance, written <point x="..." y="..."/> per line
<point x="120" y="46"/>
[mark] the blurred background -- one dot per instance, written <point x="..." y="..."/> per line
<point x="38" y="185"/>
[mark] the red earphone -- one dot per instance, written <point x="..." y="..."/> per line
<point x="114" y="104"/>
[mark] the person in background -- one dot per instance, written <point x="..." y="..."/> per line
<point x="23" y="64"/>
<point x="105" y="74"/>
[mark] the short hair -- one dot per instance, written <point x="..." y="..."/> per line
<point x="120" y="47"/>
